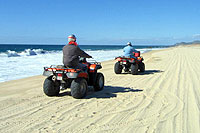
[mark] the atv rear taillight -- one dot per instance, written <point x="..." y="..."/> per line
<point x="71" y="74"/>
<point x="59" y="74"/>
<point x="92" y="66"/>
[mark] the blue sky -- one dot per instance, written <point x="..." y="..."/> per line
<point x="99" y="21"/>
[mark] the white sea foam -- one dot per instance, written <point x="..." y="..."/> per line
<point x="12" y="53"/>
<point x="16" y="65"/>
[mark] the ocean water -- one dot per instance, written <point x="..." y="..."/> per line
<point x="20" y="61"/>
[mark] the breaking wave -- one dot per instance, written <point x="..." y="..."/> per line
<point x="26" y="52"/>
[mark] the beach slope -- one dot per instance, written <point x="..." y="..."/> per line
<point x="165" y="98"/>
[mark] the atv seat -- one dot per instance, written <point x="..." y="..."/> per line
<point x="83" y="67"/>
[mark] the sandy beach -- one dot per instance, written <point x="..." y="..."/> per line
<point x="165" y="98"/>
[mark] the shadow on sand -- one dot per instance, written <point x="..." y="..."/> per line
<point x="147" y="72"/>
<point x="107" y="92"/>
<point x="110" y="91"/>
<point x="64" y="93"/>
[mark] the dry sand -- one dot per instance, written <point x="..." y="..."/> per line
<point x="166" y="98"/>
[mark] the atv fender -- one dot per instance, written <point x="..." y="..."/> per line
<point x="118" y="59"/>
<point x="47" y="73"/>
<point x="83" y="75"/>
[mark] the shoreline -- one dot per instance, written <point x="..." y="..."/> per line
<point x="145" y="54"/>
<point x="101" y="62"/>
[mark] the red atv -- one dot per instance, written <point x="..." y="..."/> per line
<point x="132" y="65"/>
<point x="60" y="78"/>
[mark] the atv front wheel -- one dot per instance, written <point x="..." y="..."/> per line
<point x="99" y="82"/>
<point x="142" y="67"/>
<point x="134" y="69"/>
<point x="50" y="87"/>
<point x="79" y="88"/>
<point x="118" y="68"/>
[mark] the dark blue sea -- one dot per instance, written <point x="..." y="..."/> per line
<point x="21" y="47"/>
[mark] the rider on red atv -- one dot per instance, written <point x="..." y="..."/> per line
<point x="76" y="74"/>
<point x="130" y="62"/>
<point x="71" y="54"/>
<point x="129" y="51"/>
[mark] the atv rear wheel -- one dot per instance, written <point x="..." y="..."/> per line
<point x="142" y="67"/>
<point x="50" y="87"/>
<point x="79" y="88"/>
<point x="99" y="82"/>
<point x="118" y="68"/>
<point x="134" y="69"/>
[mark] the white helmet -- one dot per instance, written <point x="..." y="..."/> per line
<point x="71" y="38"/>
<point x="129" y="43"/>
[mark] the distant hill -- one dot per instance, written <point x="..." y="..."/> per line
<point x="188" y="43"/>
